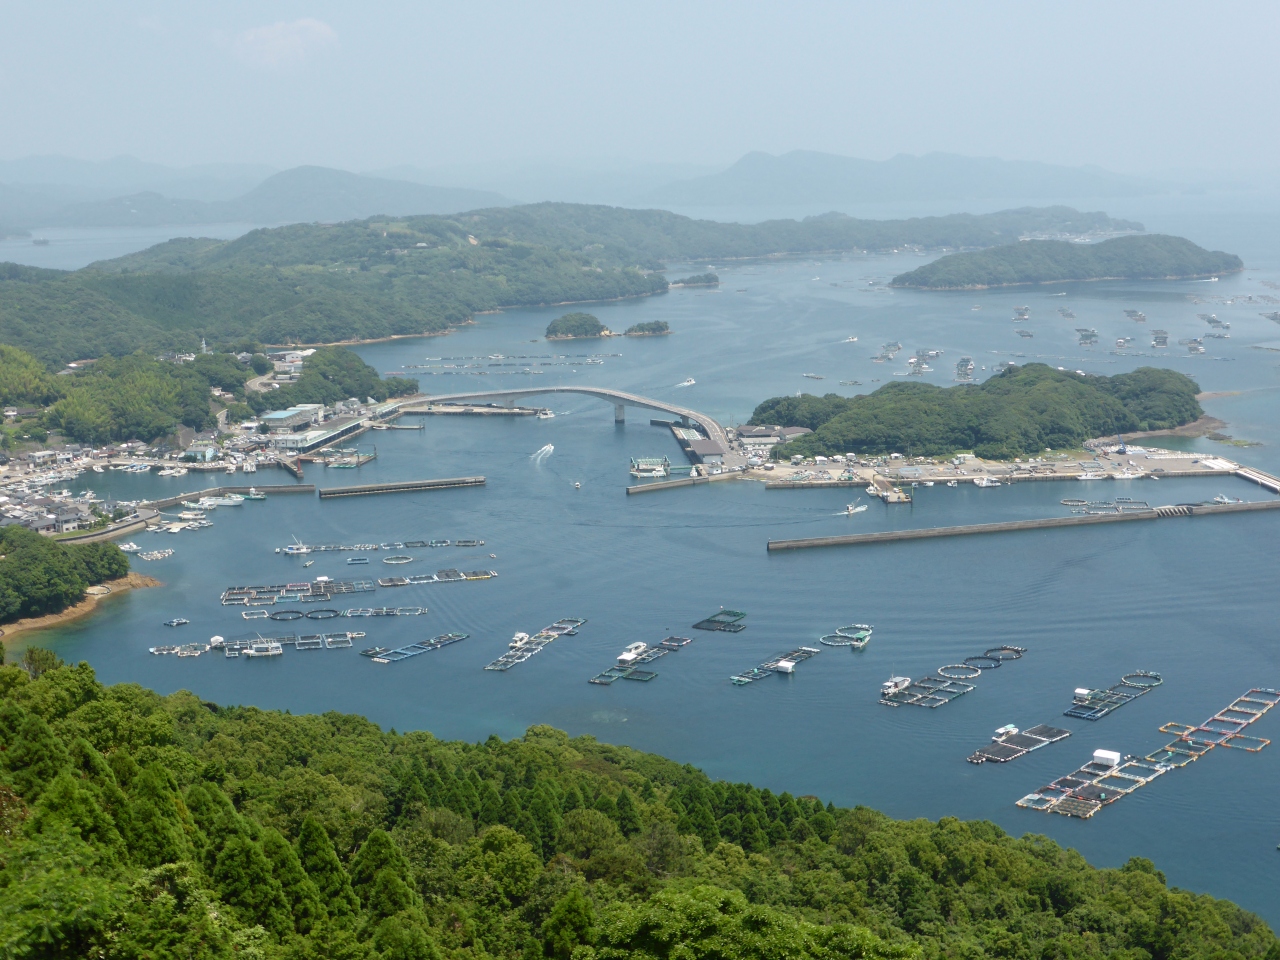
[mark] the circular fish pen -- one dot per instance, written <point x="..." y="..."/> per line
<point x="836" y="640"/>
<point x="959" y="671"/>
<point x="398" y="558"/>
<point x="1073" y="502"/>
<point x="1005" y="653"/>
<point x="1142" y="679"/>
<point x="324" y="613"/>
<point x="287" y="615"/>
<point x="853" y="629"/>
<point x="982" y="663"/>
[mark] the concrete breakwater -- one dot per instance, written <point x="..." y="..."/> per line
<point x="403" y="486"/>
<point x="925" y="533"/>
<point x="270" y="489"/>
<point x="682" y="482"/>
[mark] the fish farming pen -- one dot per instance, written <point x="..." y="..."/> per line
<point x="257" y="645"/>
<point x="302" y="592"/>
<point x="855" y="636"/>
<point x="181" y="650"/>
<point x="782" y="663"/>
<point x="628" y="666"/>
<point x="384" y="612"/>
<point x="1108" y="777"/>
<point x="440" y="576"/>
<point x="1012" y="744"/>
<point x="1096" y="704"/>
<point x="298" y="549"/>
<point x="728" y="621"/>
<point x="949" y="684"/>
<point x="523" y="646"/>
<point x="386" y="655"/>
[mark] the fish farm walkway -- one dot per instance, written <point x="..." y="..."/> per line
<point x="620" y="400"/>
<point x="923" y="533"/>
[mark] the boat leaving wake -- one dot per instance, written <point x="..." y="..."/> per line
<point x="687" y="383"/>
<point x="543" y="453"/>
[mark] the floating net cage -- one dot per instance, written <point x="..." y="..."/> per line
<point x="983" y="662"/>
<point x="726" y="620"/>
<point x="1096" y="704"/>
<point x="959" y="671"/>
<point x="1006" y="653"/>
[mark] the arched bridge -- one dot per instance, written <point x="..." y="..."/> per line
<point x="618" y="398"/>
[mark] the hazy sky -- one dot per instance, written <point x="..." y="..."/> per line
<point x="1136" y="87"/>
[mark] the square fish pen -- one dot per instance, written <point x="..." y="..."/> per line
<point x="930" y="692"/>
<point x="1096" y="704"/>
<point x="1011" y="746"/>
<point x="728" y="621"/>
<point x="782" y="663"/>
<point x="1086" y="791"/>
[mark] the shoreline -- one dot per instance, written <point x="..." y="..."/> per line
<point x="1045" y="283"/>
<point x="115" y="588"/>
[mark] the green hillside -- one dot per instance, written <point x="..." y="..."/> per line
<point x="1155" y="257"/>
<point x="368" y="279"/>
<point x="138" y="826"/>
<point x="1021" y="411"/>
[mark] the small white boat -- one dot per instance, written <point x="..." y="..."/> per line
<point x="1091" y="475"/>
<point x="577" y="486"/>
<point x="894" y="685"/>
<point x="231" y="468"/>
<point x="985" y="482"/>
<point x="849" y="340"/>
<point x="98" y="469"/>
<point x="545" y="415"/>
<point x="856" y="507"/>
<point x="953" y="483"/>
<point x="687" y="383"/>
<point x="130" y="547"/>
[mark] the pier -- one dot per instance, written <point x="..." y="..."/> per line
<point x="1009" y="526"/>
<point x="401" y="486"/>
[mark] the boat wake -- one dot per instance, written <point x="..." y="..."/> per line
<point x="687" y="383"/>
<point x="543" y="453"/>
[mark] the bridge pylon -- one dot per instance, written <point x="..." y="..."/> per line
<point x="619" y="413"/>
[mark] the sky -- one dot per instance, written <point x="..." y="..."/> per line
<point x="1136" y="87"/>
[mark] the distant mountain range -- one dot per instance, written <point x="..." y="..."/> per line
<point x="303" y="194"/>
<point x="807" y="177"/>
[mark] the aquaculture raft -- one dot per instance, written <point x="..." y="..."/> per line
<point x="302" y="592"/>
<point x="440" y="576"/>
<point x="1096" y="704"/>
<point x="855" y="636"/>
<point x="782" y="663"/>
<point x="257" y="645"/>
<point x="950" y="682"/>
<point x="523" y="646"/>
<point x="1014" y="744"/>
<point x="728" y="621"/>
<point x="385" y="655"/>
<point x="1093" y="786"/>
<point x="632" y="671"/>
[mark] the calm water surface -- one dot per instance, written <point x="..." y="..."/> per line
<point x="1193" y="600"/>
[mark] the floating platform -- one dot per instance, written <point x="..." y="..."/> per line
<point x="1012" y="745"/>
<point x="301" y="549"/>
<point x="782" y="663"/>
<point x="385" y="655"/>
<point x="855" y="636"/>
<point x="1096" y="704"/>
<point x="523" y="646"/>
<point x="631" y="670"/>
<point x="257" y="645"/>
<point x="1096" y="784"/>
<point x="403" y="486"/>
<point x="384" y="612"/>
<point x="302" y="592"/>
<point x="728" y="621"/>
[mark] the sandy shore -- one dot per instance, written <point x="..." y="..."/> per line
<point x="83" y="608"/>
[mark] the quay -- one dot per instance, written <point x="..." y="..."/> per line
<point x="681" y="482"/>
<point x="270" y="489"/>
<point x="402" y="486"/>
<point x="924" y="533"/>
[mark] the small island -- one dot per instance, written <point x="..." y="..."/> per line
<point x="654" y="328"/>
<point x="1155" y="257"/>
<point x="698" y="280"/>
<point x="576" y="326"/>
<point x="1020" y="411"/>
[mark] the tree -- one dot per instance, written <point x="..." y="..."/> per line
<point x="299" y="890"/>
<point x="244" y="880"/>
<point x="628" y="815"/>
<point x="158" y="820"/>
<point x="35" y="756"/>
<point x="38" y="660"/>
<point x="321" y="863"/>
<point x="571" y="923"/>
<point x="379" y="852"/>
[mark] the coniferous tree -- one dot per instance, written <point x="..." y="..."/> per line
<point x="320" y="861"/>
<point x="244" y="880"/>
<point x="299" y="890"/>
<point x="34" y="756"/>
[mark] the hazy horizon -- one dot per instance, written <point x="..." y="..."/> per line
<point x="1156" y="90"/>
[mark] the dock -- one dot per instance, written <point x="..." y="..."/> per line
<point x="269" y="489"/>
<point x="681" y="482"/>
<point x="401" y="486"/>
<point x="1010" y="526"/>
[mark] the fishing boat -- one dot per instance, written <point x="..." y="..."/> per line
<point x="687" y="383"/>
<point x="953" y="483"/>
<point x="1220" y="498"/>
<point x="253" y="494"/>
<point x="1091" y="475"/>
<point x="130" y="547"/>
<point x="813" y="376"/>
<point x="545" y="415"/>
<point x="97" y="468"/>
<point x="894" y="685"/>
<point x="985" y="482"/>
<point x="231" y="468"/>
<point x="855" y="507"/>
<point x="177" y="622"/>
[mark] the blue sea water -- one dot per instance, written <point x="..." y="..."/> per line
<point x="1191" y="599"/>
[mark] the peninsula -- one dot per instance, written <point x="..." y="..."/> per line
<point x="1020" y="411"/>
<point x="133" y="819"/>
<point x="1154" y="257"/>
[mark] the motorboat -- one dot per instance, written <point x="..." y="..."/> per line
<point x="545" y="414"/>
<point x="177" y="622"/>
<point x="856" y="507"/>
<point x="1220" y="498"/>
<point x="894" y="685"/>
<point x="97" y="468"/>
<point x="308" y="563"/>
<point x="130" y="547"/>
<point x="849" y="340"/>
<point x="253" y="494"/>
<point x="687" y="383"/>
<point x="985" y="482"/>
<point x="953" y="483"/>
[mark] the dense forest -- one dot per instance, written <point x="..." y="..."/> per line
<point x="1020" y="411"/>
<point x="575" y="325"/>
<point x="325" y="283"/>
<point x="1155" y="257"/>
<point x="40" y="576"/>
<point x="139" y="826"/>
<point x="652" y="328"/>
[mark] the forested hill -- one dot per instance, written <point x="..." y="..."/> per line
<point x="138" y="826"/>
<point x="1154" y="257"/>
<point x="1021" y="411"/>
<point x="366" y="279"/>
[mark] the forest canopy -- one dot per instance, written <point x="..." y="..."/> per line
<point x="139" y="826"/>
<point x="1020" y="411"/>
<point x="39" y="575"/>
<point x="573" y="325"/>
<point x="1154" y="257"/>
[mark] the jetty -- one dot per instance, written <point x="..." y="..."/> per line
<point x="271" y="489"/>
<point x="401" y="486"/>
<point x="1010" y="526"/>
